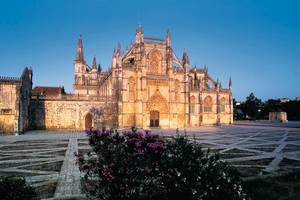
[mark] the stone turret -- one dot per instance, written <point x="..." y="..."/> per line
<point x="99" y="68"/>
<point x="139" y="46"/>
<point x="94" y="65"/>
<point x="114" y="60"/>
<point x="168" y="39"/>
<point x="139" y="35"/>
<point x="168" y="51"/>
<point x="185" y="62"/>
<point x="79" y="63"/>
<point x="79" y="55"/>
<point x="119" y="56"/>
<point x="94" y="71"/>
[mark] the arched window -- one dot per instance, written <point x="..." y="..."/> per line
<point x="208" y="103"/>
<point x="155" y="59"/>
<point x="193" y="104"/>
<point x="222" y="104"/>
<point x="132" y="88"/>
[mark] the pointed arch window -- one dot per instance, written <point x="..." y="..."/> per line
<point x="193" y="104"/>
<point x="223" y="104"/>
<point x="208" y="103"/>
<point x="155" y="59"/>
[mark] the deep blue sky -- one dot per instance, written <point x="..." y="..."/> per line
<point x="256" y="42"/>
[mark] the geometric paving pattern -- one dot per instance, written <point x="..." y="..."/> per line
<point x="253" y="150"/>
<point x="46" y="159"/>
<point x="39" y="157"/>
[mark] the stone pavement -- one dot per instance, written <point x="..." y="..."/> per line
<point x="69" y="178"/>
<point x="289" y="124"/>
<point x="254" y="150"/>
<point x="47" y="159"/>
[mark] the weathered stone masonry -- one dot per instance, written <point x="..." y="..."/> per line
<point x="71" y="114"/>
<point x="145" y="86"/>
<point x="14" y="102"/>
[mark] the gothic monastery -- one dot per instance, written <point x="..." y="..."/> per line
<point x="147" y="86"/>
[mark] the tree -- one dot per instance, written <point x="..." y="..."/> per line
<point x="270" y="105"/>
<point x="292" y="108"/>
<point x="238" y="113"/>
<point x="252" y="106"/>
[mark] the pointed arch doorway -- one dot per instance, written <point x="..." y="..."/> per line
<point x="154" y="118"/>
<point x="88" y="121"/>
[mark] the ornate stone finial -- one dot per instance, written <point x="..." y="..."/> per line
<point x="114" y="53"/>
<point x="185" y="58"/>
<point x="131" y="44"/>
<point x="79" y="55"/>
<point x="99" y="68"/>
<point x="139" y="35"/>
<point x="217" y="84"/>
<point x="119" y="52"/>
<point x="168" y="38"/>
<point x="94" y="65"/>
<point x="230" y="83"/>
<point x="114" y="59"/>
<point x="205" y="69"/>
<point x="139" y="29"/>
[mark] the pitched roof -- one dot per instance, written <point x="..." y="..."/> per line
<point x="47" y="91"/>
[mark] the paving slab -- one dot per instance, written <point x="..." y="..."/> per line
<point x="46" y="158"/>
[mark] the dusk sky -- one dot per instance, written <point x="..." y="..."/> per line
<point x="255" y="42"/>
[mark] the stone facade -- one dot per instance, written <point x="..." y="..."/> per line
<point x="146" y="86"/>
<point x="14" y="102"/>
<point x="71" y="112"/>
<point x="153" y="88"/>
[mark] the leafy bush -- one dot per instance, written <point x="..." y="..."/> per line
<point x="145" y="166"/>
<point x="15" y="188"/>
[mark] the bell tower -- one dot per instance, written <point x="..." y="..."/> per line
<point x="79" y="64"/>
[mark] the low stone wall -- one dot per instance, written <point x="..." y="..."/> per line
<point x="278" y="116"/>
<point x="71" y="115"/>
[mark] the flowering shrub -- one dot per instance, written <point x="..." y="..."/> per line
<point x="143" y="166"/>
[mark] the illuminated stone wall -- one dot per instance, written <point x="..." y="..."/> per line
<point x="14" y="103"/>
<point x="60" y="114"/>
<point x="8" y="106"/>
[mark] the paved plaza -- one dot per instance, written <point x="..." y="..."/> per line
<point x="47" y="158"/>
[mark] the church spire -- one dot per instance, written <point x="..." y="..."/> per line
<point x="94" y="65"/>
<point x="230" y="83"/>
<point x="79" y="56"/>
